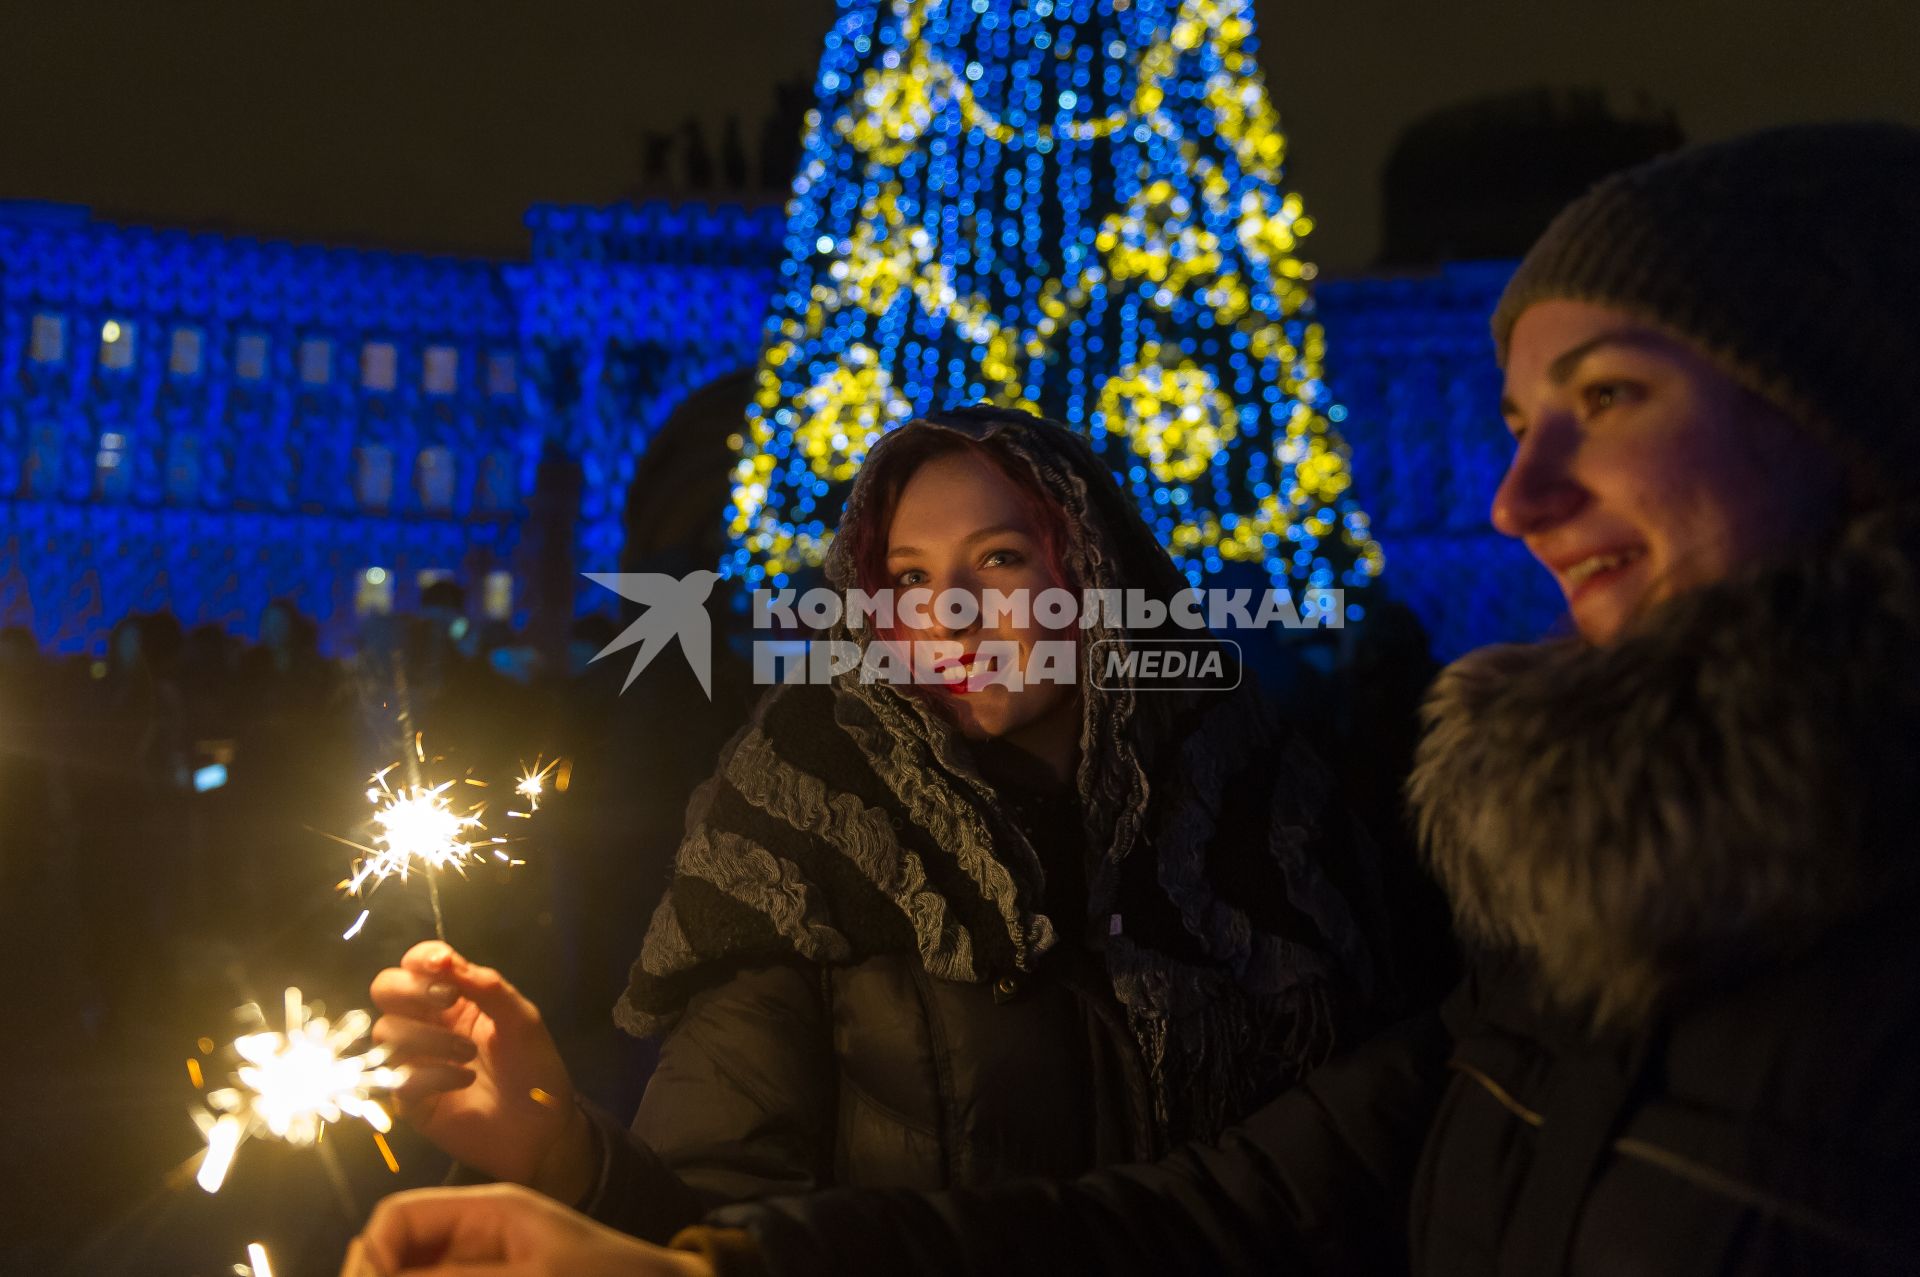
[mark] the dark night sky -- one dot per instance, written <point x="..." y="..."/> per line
<point x="431" y="124"/>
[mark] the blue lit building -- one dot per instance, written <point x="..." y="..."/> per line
<point x="1411" y="360"/>
<point x="203" y="423"/>
<point x="621" y="314"/>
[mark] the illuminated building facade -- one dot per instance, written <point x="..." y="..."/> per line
<point x="204" y="423"/>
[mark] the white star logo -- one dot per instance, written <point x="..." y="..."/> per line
<point x="676" y="607"/>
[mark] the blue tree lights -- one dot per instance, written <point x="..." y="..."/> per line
<point x="1071" y="206"/>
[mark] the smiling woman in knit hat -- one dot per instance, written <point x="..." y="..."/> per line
<point x="1709" y="360"/>
<point x="1683" y="842"/>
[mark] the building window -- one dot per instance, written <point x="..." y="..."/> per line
<point x="117" y="344"/>
<point x="250" y="357"/>
<point x="503" y="374"/>
<point x="373" y="593"/>
<point x="112" y="466"/>
<point x="42" y="478"/>
<point x="373" y="476"/>
<point x="433" y="478"/>
<point x="379" y="365"/>
<point x="183" y="359"/>
<point x="495" y="492"/>
<point x="440" y="370"/>
<point x="496" y="598"/>
<point x="183" y="468"/>
<point x="48" y="342"/>
<point x="316" y="361"/>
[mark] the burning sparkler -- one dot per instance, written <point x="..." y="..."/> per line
<point x="418" y="827"/>
<point x="294" y="1083"/>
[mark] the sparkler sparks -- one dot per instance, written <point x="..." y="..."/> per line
<point x="294" y="1083"/>
<point x="421" y="827"/>
<point x="417" y="826"/>
<point x="533" y="783"/>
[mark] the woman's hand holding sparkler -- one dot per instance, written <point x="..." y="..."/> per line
<point x="485" y="1081"/>
<point x="500" y="1229"/>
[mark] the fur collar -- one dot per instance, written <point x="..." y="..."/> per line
<point x="1713" y="791"/>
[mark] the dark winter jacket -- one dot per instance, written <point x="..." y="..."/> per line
<point x="1698" y="1050"/>
<point x="883" y="962"/>
<point x="789" y="1078"/>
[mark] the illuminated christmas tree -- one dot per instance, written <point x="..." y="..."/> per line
<point x="1071" y="206"/>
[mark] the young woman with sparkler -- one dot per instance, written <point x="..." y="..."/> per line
<point x="946" y="934"/>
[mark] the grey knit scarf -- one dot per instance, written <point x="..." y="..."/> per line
<point x="1231" y="899"/>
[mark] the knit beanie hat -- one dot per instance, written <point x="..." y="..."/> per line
<point x="1789" y="257"/>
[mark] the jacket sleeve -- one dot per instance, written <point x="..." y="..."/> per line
<point x="740" y="1106"/>
<point x="1317" y="1181"/>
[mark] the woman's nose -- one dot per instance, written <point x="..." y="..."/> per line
<point x="1539" y="489"/>
<point x="956" y="608"/>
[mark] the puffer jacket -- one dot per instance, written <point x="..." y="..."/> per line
<point x="789" y="1077"/>
<point x="1691" y="1042"/>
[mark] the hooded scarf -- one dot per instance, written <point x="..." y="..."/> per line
<point x="1706" y="796"/>
<point x="1231" y="900"/>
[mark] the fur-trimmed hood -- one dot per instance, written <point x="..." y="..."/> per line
<point x="1711" y="792"/>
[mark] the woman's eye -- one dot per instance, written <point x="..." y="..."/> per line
<point x="912" y="576"/>
<point x="1602" y="395"/>
<point x="1001" y="558"/>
